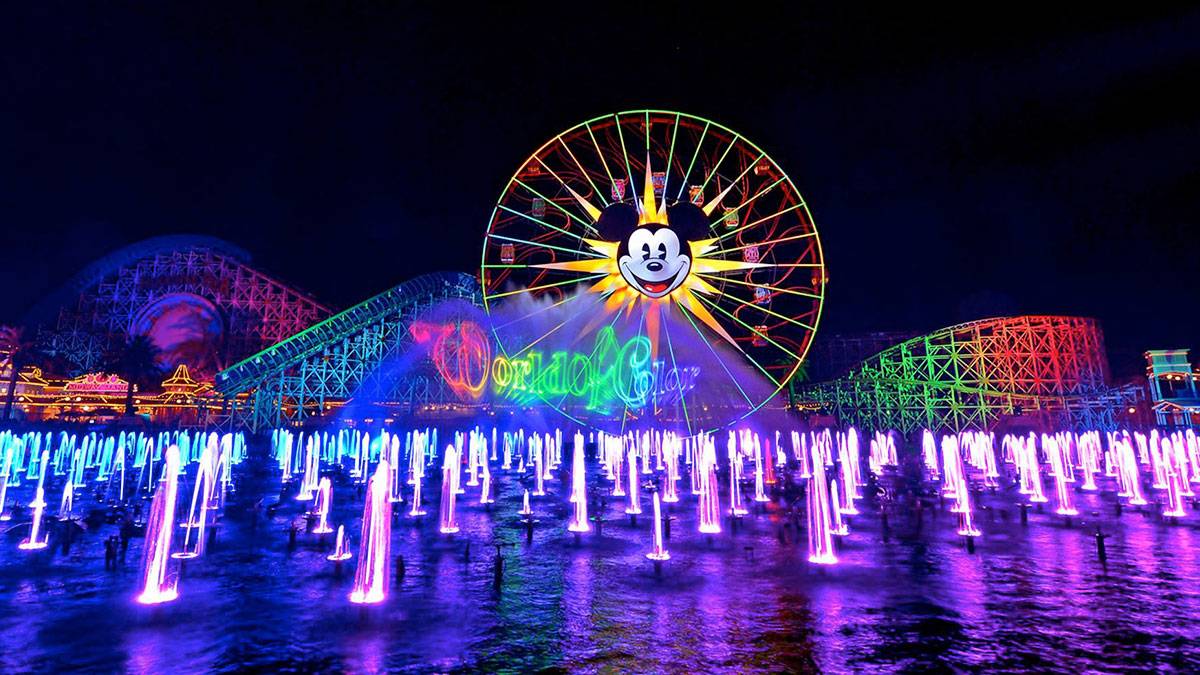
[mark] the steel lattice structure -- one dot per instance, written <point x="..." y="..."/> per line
<point x="970" y="375"/>
<point x="343" y="357"/>
<point x="96" y="309"/>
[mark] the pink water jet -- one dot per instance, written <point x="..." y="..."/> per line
<point x="540" y="488"/>
<point x="840" y="527"/>
<point x="579" y="520"/>
<point x="375" y="544"/>
<point x="449" y="523"/>
<point x="635" y="506"/>
<point x="710" y="500"/>
<point x="159" y="528"/>
<point x="820" y="535"/>
<point x="322" y="507"/>
<point x="341" y="546"/>
<point x="417" y="509"/>
<point x="658" y="553"/>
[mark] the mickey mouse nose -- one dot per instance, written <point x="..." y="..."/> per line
<point x="654" y="266"/>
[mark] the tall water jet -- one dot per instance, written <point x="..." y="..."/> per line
<point x="579" y="520"/>
<point x="38" y="504"/>
<point x="710" y="501"/>
<point x="159" y="528"/>
<point x="341" y="546"/>
<point x="68" y="501"/>
<point x="635" y="503"/>
<point x="1056" y="452"/>
<point x="840" y="527"/>
<point x="820" y="536"/>
<point x="418" y="473"/>
<point x="375" y="543"/>
<point x="525" y="510"/>
<point x="616" y="461"/>
<point x="5" y="472"/>
<point x="449" y="523"/>
<point x="485" y="492"/>
<point x="658" y="553"/>
<point x="759" y="493"/>
<point x="536" y="448"/>
<point x="194" y="521"/>
<point x="322" y="506"/>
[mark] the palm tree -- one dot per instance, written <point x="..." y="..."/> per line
<point x="22" y="353"/>
<point x="137" y="362"/>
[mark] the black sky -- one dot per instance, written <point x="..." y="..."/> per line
<point x="957" y="166"/>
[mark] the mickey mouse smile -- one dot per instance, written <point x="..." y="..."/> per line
<point x="655" y="287"/>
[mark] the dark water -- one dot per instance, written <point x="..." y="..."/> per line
<point x="1031" y="597"/>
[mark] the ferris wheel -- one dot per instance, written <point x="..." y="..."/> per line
<point x="633" y="216"/>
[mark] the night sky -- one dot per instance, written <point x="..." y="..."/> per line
<point x="957" y="167"/>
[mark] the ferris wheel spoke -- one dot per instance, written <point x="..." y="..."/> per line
<point x="543" y="287"/>
<point x="560" y="257"/>
<point x="750" y="328"/>
<point x="695" y="153"/>
<point x="599" y="153"/>
<point x="771" y="241"/>
<point x="541" y="222"/>
<point x="671" y="151"/>
<point x="556" y="205"/>
<point x="592" y="211"/>
<point x="761" y="220"/>
<point x="769" y="312"/>
<point x="717" y="357"/>
<point x="748" y="202"/>
<point x="716" y="167"/>
<point x="572" y="251"/>
<point x="583" y="171"/>
<point x="625" y="152"/>
<point x="769" y="287"/>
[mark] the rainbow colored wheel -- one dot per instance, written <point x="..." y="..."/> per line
<point x="659" y="224"/>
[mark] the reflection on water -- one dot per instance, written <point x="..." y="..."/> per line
<point x="1032" y="597"/>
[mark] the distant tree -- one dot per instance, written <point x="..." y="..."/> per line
<point x="22" y="352"/>
<point x="137" y="362"/>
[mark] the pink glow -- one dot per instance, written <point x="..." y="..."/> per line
<point x="159" y="529"/>
<point x="659" y="552"/>
<point x="579" y="520"/>
<point x="375" y="545"/>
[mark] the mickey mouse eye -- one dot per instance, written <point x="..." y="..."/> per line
<point x="646" y="251"/>
<point x="662" y="251"/>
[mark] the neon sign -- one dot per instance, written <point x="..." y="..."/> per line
<point x="96" y="383"/>
<point x="610" y="373"/>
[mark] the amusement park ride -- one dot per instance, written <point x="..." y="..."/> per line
<point x="643" y="265"/>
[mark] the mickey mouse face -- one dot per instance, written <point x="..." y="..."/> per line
<point x="655" y="263"/>
<point x="654" y="259"/>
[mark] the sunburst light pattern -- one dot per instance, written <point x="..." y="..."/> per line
<point x="658" y="222"/>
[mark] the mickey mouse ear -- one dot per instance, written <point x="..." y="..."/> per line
<point x="688" y="220"/>
<point x="617" y="221"/>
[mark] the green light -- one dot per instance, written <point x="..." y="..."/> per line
<point x="611" y="373"/>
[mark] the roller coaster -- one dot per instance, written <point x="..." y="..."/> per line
<point x="345" y="357"/>
<point x="973" y="375"/>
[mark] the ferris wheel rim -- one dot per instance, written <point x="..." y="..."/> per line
<point x="491" y="299"/>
